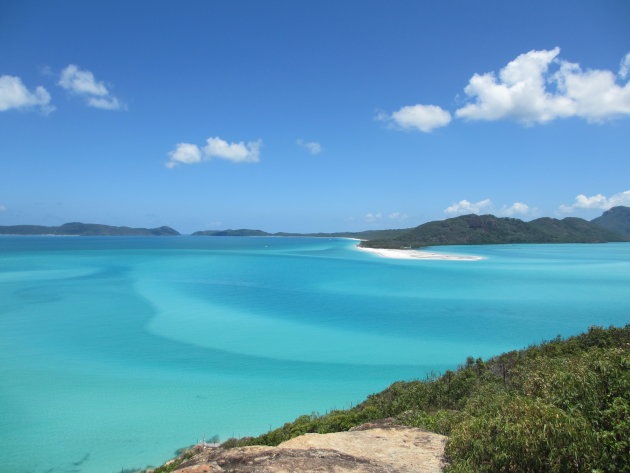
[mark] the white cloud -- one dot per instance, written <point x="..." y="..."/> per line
<point x="3" y="208"/>
<point x="598" y="201"/>
<point x="527" y="91"/>
<point x="187" y="153"/>
<point x="312" y="146"/>
<point x="397" y="216"/>
<point x="235" y="152"/>
<point x="466" y="207"/>
<point x="517" y="208"/>
<point x="421" y="117"/>
<point x="82" y="82"/>
<point x="106" y="103"/>
<point x="377" y="216"/>
<point x="373" y="217"/>
<point x="624" y="67"/>
<point x="184" y="153"/>
<point x="14" y="94"/>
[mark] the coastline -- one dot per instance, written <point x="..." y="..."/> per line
<point x="417" y="254"/>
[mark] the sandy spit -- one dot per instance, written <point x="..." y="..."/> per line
<point x="417" y="254"/>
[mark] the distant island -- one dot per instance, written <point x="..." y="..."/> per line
<point x="364" y="235"/>
<point x="85" y="229"/>
<point x="613" y="225"/>
<point x="490" y="230"/>
<point x="616" y="220"/>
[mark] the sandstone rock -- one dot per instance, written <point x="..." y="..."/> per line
<point x="368" y="449"/>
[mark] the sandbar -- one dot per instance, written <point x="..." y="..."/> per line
<point x="418" y="254"/>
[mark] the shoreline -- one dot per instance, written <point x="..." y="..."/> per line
<point x="417" y="254"/>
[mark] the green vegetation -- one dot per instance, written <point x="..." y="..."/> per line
<point x="562" y="406"/>
<point x="616" y="220"/>
<point x="85" y="229"/>
<point x="487" y="229"/>
<point x="613" y="225"/>
<point x="175" y="463"/>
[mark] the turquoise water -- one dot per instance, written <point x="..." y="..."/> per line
<point x="116" y="351"/>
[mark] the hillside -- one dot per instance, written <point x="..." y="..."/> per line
<point x="616" y="220"/>
<point x="562" y="406"/>
<point x="487" y="229"/>
<point x="86" y="229"/>
<point x="613" y="225"/>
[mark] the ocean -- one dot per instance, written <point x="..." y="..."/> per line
<point x="116" y="351"/>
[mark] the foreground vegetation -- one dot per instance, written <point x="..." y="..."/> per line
<point x="562" y="406"/>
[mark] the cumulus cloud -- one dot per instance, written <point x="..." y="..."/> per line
<point x="466" y="207"/>
<point x="235" y="152"/>
<point x="312" y="146"/>
<point x="187" y="153"/>
<point x="14" y="94"/>
<point x="517" y="208"/>
<point x="538" y="87"/>
<point x="598" y="201"/>
<point x="420" y="117"/>
<point x="83" y="83"/>
<point x="184" y="153"/>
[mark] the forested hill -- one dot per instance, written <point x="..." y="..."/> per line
<point x="487" y="229"/>
<point x="616" y="220"/>
<point x="85" y="229"/>
<point x="613" y="225"/>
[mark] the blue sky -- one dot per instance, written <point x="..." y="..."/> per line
<point x="311" y="116"/>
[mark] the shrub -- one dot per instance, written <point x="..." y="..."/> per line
<point x="515" y="434"/>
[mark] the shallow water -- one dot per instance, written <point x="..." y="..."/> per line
<point x="115" y="351"/>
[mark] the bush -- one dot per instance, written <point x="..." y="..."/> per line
<point x="515" y="434"/>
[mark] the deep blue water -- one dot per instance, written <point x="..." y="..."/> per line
<point x="115" y="351"/>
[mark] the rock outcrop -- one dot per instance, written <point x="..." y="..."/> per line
<point x="370" y="448"/>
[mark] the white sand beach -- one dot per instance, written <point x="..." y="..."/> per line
<point x="417" y="254"/>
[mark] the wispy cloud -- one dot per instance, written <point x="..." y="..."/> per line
<point x="397" y="216"/>
<point x="187" y="153"/>
<point x="83" y="83"/>
<point x="373" y="217"/>
<point x="3" y="208"/>
<point x="624" y="67"/>
<point x="380" y="216"/>
<point x="598" y="201"/>
<point x="14" y="94"/>
<point x="312" y="146"/>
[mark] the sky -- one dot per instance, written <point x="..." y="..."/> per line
<point x="312" y="115"/>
